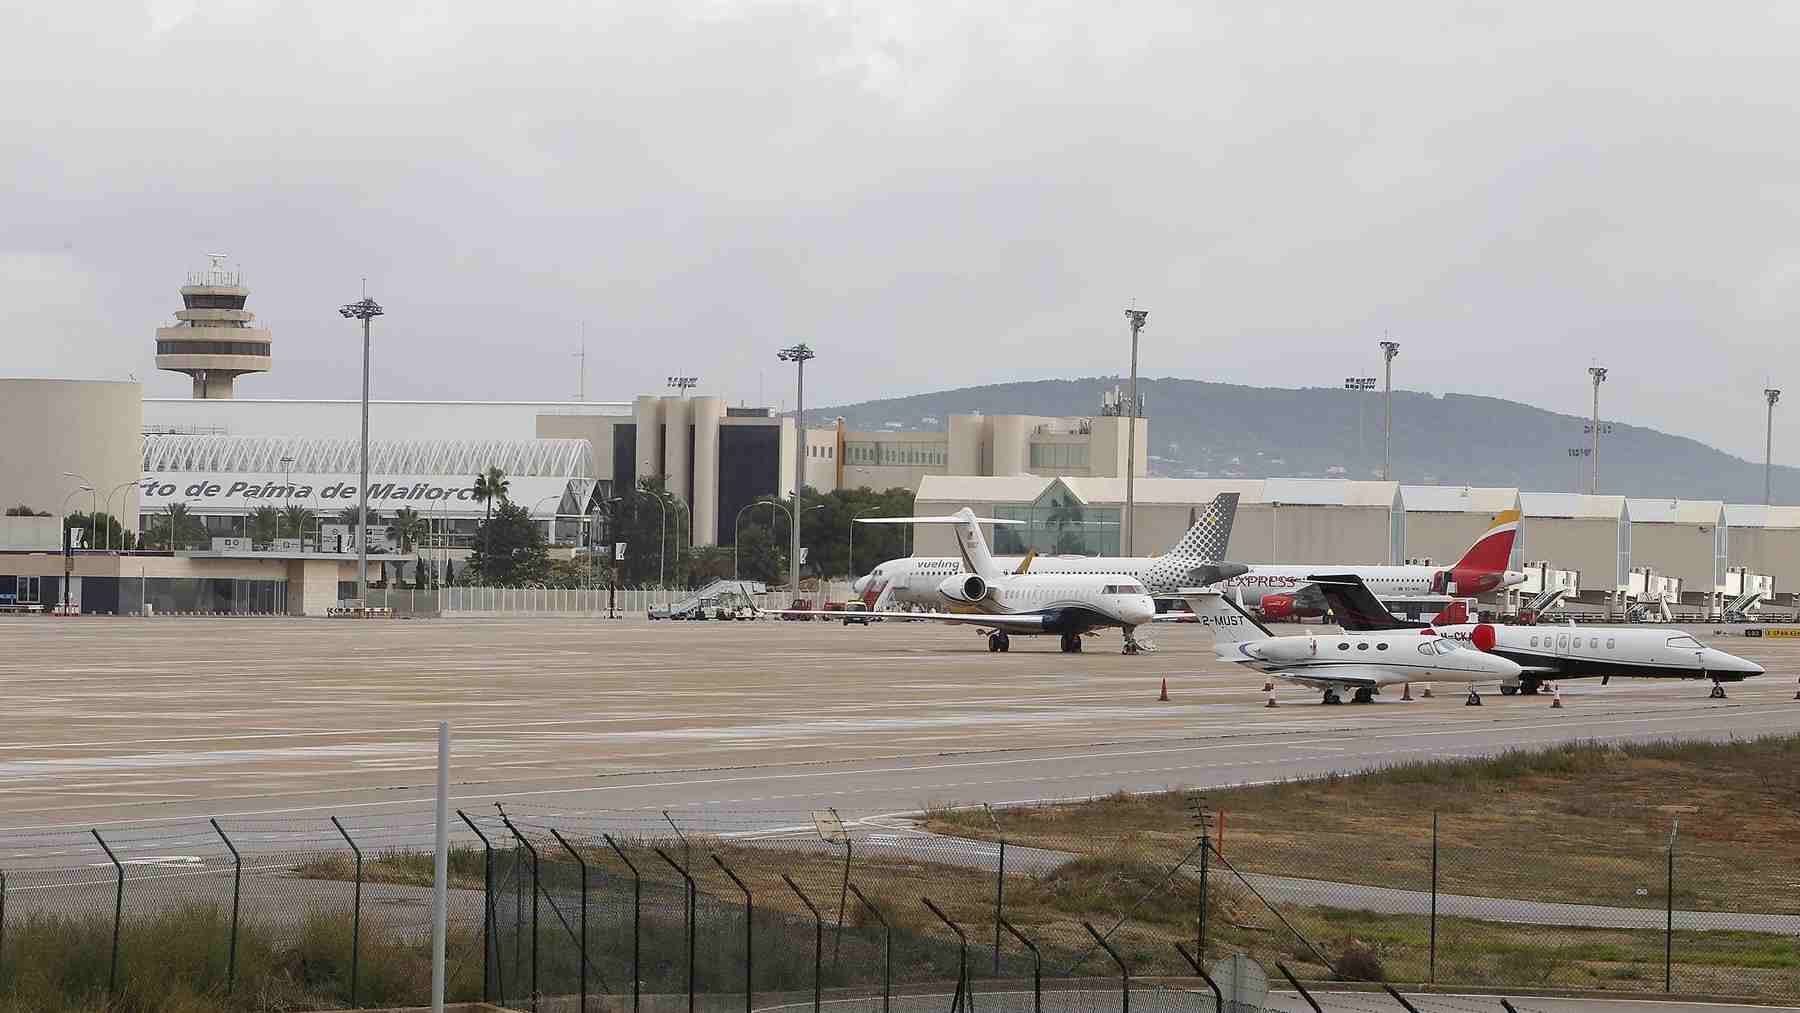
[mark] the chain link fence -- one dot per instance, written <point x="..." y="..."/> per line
<point x="631" y="910"/>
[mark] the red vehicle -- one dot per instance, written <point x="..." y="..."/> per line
<point x="800" y="605"/>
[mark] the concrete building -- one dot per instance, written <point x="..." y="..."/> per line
<point x="1765" y="540"/>
<point x="1573" y="531"/>
<point x="1689" y="540"/>
<point x="57" y="436"/>
<point x="1443" y="521"/>
<point x="987" y="445"/>
<point x="1278" y="520"/>
<point x="215" y="339"/>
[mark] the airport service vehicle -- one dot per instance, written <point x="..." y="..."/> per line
<point x="914" y="580"/>
<point x="1550" y="653"/>
<point x="1001" y="605"/>
<point x="1280" y="591"/>
<point x="1360" y="663"/>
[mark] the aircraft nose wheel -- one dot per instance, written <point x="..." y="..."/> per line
<point x="1363" y="695"/>
<point x="1331" y="698"/>
<point x="1718" y="692"/>
<point x="998" y="643"/>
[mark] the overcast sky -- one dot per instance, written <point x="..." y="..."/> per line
<point x="952" y="194"/>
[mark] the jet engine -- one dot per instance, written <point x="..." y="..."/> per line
<point x="1302" y="603"/>
<point x="1482" y="637"/>
<point x="968" y="587"/>
<point x="1282" y="649"/>
<point x="1277" y="606"/>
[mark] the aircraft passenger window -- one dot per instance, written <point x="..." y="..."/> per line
<point x="1609" y="643"/>
<point x="1562" y="641"/>
<point x="1381" y="647"/>
<point x="1343" y="647"/>
<point x="1362" y="647"/>
<point x="1534" y="641"/>
<point x="1593" y="643"/>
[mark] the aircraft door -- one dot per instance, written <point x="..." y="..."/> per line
<point x="1440" y="582"/>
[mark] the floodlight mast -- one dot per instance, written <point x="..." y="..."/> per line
<point x="798" y="354"/>
<point x="1389" y="349"/>
<point x="1136" y="317"/>
<point x="1773" y="394"/>
<point x="365" y="310"/>
<point x="1599" y="375"/>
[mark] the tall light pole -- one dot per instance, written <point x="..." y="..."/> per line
<point x="797" y="355"/>
<point x="1136" y="318"/>
<point x="365" y="310"/>
<point x="68" y="552"/>
<point x="110" y="493"/>
<point x="1580" y="466"/>
<point x="1599" y="375"/>
<point x="1774" y="395"/>
<point x="1359" y="384"/>
<point x="1389" y="349"/>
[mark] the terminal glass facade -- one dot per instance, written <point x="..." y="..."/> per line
<point x="1056" y="523"/>
<point x="1060" y="458"/>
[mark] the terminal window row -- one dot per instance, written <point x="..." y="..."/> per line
<point x="896" y="454"/>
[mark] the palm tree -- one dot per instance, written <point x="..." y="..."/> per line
<point x="350" y="516"/>
<point x="489" y="486"/>
<point x="265" y="524"/>
<point x="408" y="526"/>
<point x="182" y="528"/>
<point x="299" y="518"/>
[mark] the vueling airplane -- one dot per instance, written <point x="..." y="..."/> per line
<point x="1286" y="591"/>
<point x="999" y="603"/>
<point x="914" y="580"/>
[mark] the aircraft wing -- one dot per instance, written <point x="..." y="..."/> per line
<point x="1355" y="607"/>
<point x="1015" y="622"/>
<point x="1344" y="675"/>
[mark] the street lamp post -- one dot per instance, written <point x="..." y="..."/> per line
<point x="110" y="493"/>
<point x="1773" y="395"/>
<point x="798" y="355"/>
<point x="365" y="310"/>
<point x="1389" y="349"/>
<point x="1136" y="318"/>
<point x="853" y="517"/>
<point x="774" y="505"/>
<point x="68" y="554"/>
<point x="1360" y="383"/>
<point x="1599" y="375"/>
<point x="737" y="530"/>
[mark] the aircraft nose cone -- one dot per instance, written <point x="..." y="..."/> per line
<point x="1719" y="661"/>
<point x="1138" y="611"/>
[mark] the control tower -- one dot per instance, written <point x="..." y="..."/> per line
<point x="215" y="340"/>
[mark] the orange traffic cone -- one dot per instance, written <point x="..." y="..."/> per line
<point x="1555" y="698"/>
<point x="1406" y="691"/>
<point x="1164" y="698"/>
<point x="1271" y="692"/>
<point x="1268" y="685"/>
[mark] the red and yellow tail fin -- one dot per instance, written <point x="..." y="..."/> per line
<point x="1493" y="550"/>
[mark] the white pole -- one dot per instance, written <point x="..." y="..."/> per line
<point x="440" y="894"/>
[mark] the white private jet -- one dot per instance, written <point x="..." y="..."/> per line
<point x="1361" y="663"/>
<point x="915" y="580"/>
<point x="1552" y="653"/>
<point x="1001" y="604"/>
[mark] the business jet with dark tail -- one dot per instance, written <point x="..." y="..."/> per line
<point x="1002" y="605"/>
<point x="1355" y="663"/>
<point x="1552" y="653"/>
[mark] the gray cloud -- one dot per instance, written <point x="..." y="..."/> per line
<point x="932" y="197"/>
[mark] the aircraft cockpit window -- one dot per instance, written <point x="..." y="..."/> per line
<point x="1426" y="648"/>
<point x="1685" y="643"/>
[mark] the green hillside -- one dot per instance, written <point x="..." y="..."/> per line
<point x="1217" y="430"/>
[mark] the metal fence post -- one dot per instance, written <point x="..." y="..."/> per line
<point x="1432" y="967"/>
<point x="690" y="923"/>
<point x="1304" y="994"/>
<point x="1410" y="1008"/>
<point x="1124" y="972"/>
<point x="637" y="905"/>
<point x="534" y="906"/>
<point x="818" y="934"/>
<point x="962" y="967"/>
<point x="112" y="975"/>
<point x="1669" y="914"/>
<point x="749" y="917"/>
<point x="487" y="914"/>
<point x="1200" y="918"/>
<point x="237" y="887"/>
<point x="999" y="904"/>
<point x="1218" y="996"/>
<point x="1037" y="966"/>
<point x="584" y="904"/>
<point x="887" y="950"/>
<point x="355" y="910"/>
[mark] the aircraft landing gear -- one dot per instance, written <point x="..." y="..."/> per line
<point x="1133" y="645"/>
<point x="1363" y="695"/>
<point x="998" y="642"/>
<point x="1071" y="643"/>
<point x="1474" y="699"/>
<point x="1332" y="698"/>
<point x="1718" y="692"/>
<point x="1506" y="690"/>
<point x="1529" y="687"/>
